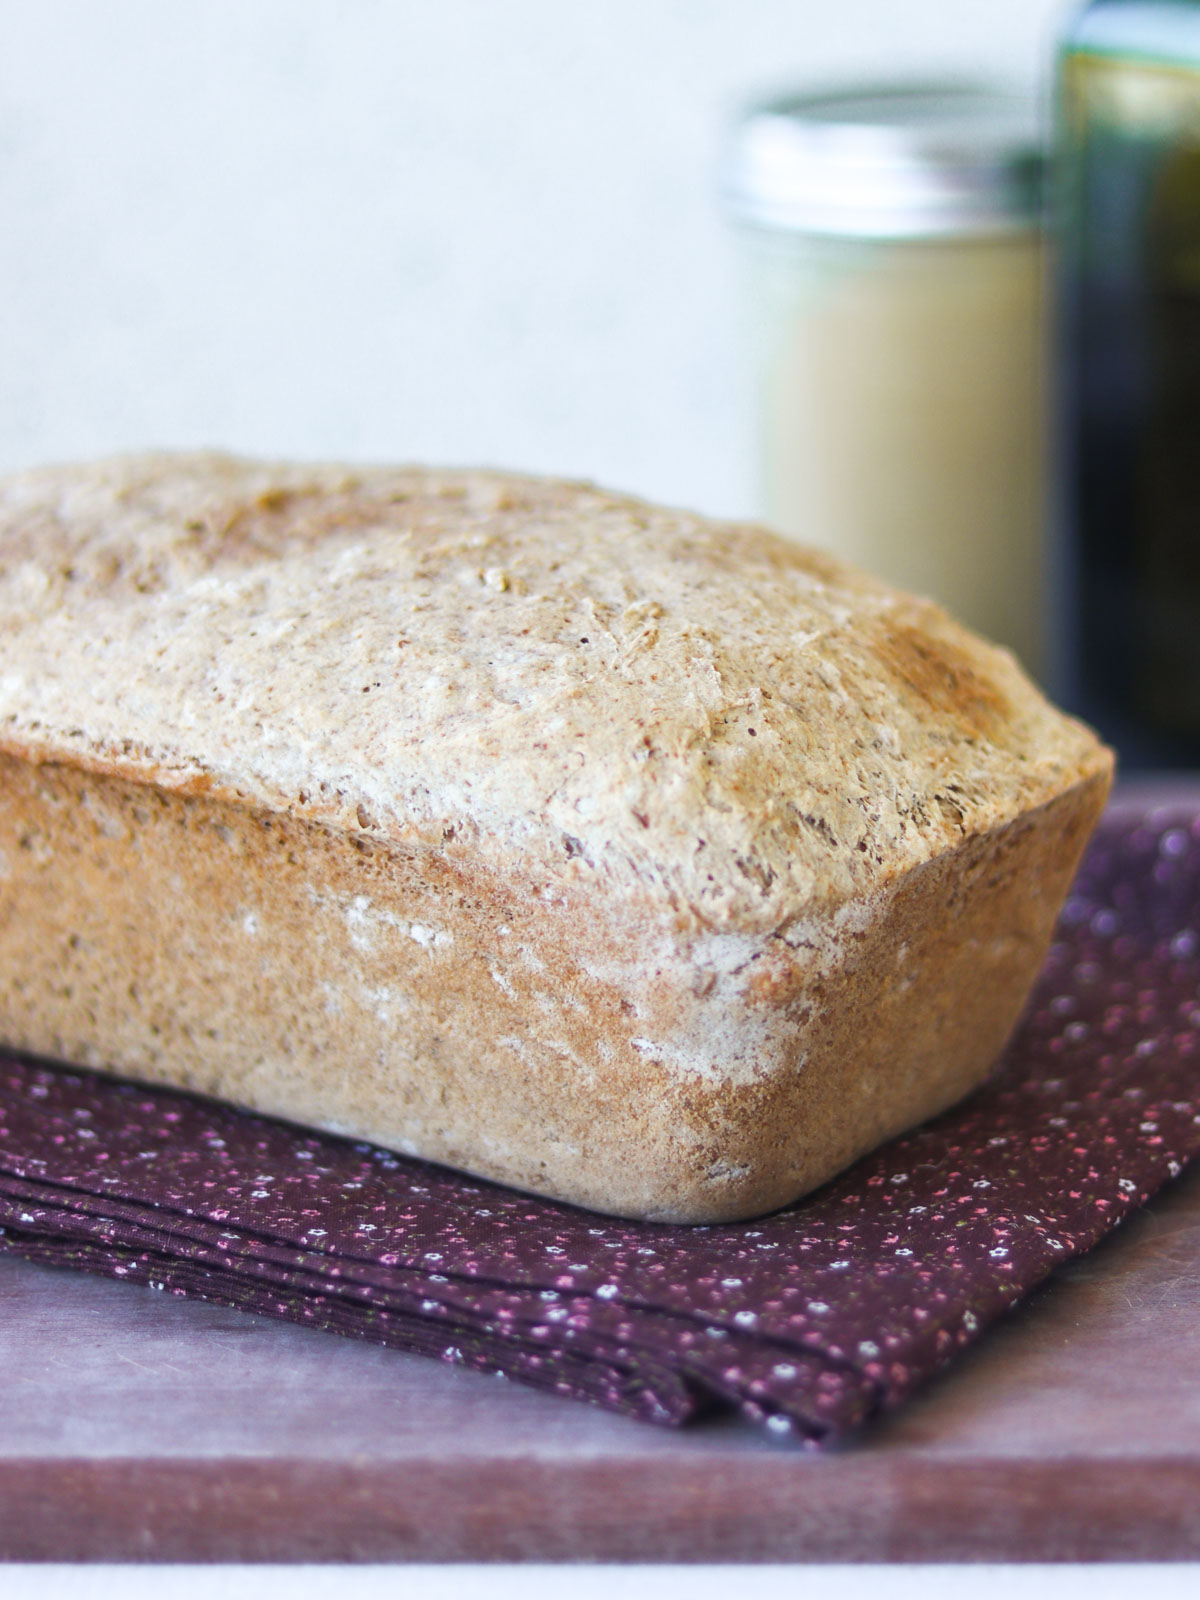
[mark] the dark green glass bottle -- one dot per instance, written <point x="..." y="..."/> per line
<point x="1128" y="312"/>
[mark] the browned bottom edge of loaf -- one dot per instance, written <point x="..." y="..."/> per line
<point x="404" y="998"/>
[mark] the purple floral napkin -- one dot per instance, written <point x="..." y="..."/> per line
<point x="811" y="1320"/>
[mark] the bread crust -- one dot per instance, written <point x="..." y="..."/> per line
<point x="739" y="863"/>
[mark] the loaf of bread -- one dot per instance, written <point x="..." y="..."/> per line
<point x="623" y="856"/>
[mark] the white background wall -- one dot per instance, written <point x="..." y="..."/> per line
<point x="455" y="230"/>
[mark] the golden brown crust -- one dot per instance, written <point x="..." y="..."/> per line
<point x="617" y="854"/>
<point x="386" y="994"/>
<point x="638" y="699"/>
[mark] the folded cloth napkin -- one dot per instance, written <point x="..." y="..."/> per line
<point x="810" y="1320"/>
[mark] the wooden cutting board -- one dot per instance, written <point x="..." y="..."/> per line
<point x="133" y="1425"/>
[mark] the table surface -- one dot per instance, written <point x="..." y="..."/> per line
<point x="137" y="1426"/>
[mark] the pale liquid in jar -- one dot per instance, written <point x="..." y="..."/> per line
<point x="902" y="416"/>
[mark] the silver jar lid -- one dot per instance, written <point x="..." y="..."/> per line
<point x="906" y="161"/>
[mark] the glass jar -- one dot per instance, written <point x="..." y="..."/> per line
<point x="895" y="254"/>
<point x="1128" y="275"/>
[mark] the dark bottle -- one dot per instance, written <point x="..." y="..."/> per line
<point x="1128" y="311"/>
